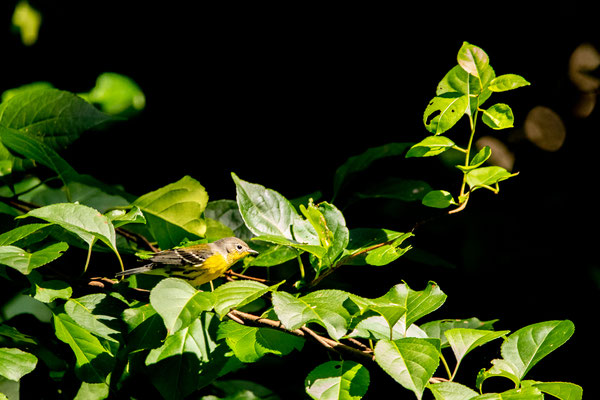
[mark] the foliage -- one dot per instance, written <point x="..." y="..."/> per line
<point x="121" y="334"/>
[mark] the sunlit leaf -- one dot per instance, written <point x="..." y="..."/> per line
<point x="472" y="59"/>
<point x="438" y="199"/>
<point x="15" y="363"/>
<point x="410" y="361"/>
<point x="251" y="343"/>
<point x="178" y="303"/>
<point x="436" y="329"/>
<point x="20" y="232"/>
<point x="464" y="340"/>
<point x="237" y="294"/>
<point x="527" y="346"/>
<point x="451" y="391"/>
<point x="93" y="361"/>
<point x="498" y="116"/>
<point x="560" y="390"/>
<point x="337" y="380"/>
<point x="28" y="20"/>
<point x="174" y="366"/>
<point x="86" y="312"/>
<point x="430" y="146"/>
<point x="116" y="94"/>
<point x="85" y="222"/>
<point x="478" y="160"/>
<point x="53" y="116"/>
<point x="487" y="176"/>
<point x="324" y="307"/>
<point x="507" y="82"/>
<point x="50" y="290"/>
<point x="24" y="261"/>
<point x="174" y="211"/>
<point x="444" y="111"/>
<point x="265" y="211"/>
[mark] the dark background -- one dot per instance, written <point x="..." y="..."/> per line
<point x="283" y="96"/>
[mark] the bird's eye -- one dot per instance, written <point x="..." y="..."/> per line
<point x="239" y="247"/>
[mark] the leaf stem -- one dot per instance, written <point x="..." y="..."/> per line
<point x="446" y="366"/>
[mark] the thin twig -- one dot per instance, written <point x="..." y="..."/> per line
<point x="304" y="332"/>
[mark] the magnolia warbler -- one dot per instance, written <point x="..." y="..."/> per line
<point x="197" y="264"/>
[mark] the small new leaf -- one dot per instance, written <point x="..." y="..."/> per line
<point x="438" y="199"/>
<point x="430" y="146"/>
<point x="506" y="82"/>
<point x="498" y="116"/>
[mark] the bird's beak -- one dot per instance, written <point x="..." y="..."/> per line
<point x="252" y="252"/>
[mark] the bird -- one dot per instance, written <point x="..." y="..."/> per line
<point x="197" y="264"/>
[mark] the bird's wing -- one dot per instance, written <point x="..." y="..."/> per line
<point x="183" y="256"/>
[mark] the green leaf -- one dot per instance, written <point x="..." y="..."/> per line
<point x="337" y="380"/>
<point x="560" y="390"/>
<point x="438" y="199"/>
<point x="25" y="262"/>
<point x="228" y="213"/>
<point x="53" y="116"/>
<point x="361" y="240"/>
<point x="410" y="361"/>
<point x="14" y="334"/>
<point x="34" y="149"/>
<point x="464" y="340"/>
<point x="28" y="20"/>
<point x="472" y="59"/>
<point x="507" y="82"/>
<point x="324" y="307"/>
<point x="178" y="303"/>
<point x="116" y="94"/>
<point x="500" y="368"/>
<point x="93" y="361"/>
<point x="19" y="233"/>
<point x="86" y="312"/>
<point x="92" y="391"/>
<point x="451" y="391"/>
<point x="249" y="344"/>
<point x="15" y="363"/>
<point x="478" y="160"/>
<point x="417" y="303"/>
<point x="376" y="327"/>
<point x="48" y="291"/>
<point x="444" y="111"/>
<point x="362" y="161"/>
<point x="174" y="367"/>
<point x="146" y="329"/>
<point x="530" y="393"/>
<point x="430" y="146"/>
<point x="334" y="228"/>
<point x="457" y="80"/>
<point x="436" y="329"/>
<point x="120" y="217"/>
<point x="388" y="253"/>
<point x="487" y="176"/>
<point x="265" y="211"/>
<point x="87" y="223"/>
<point x="236" y="389"/>
<point x="498" y="116"/>
<point x="8" y="93"/>
<point x="527" y="346"/>
<point x="175" y="211"/>
<point x="237" y="294"/>
<point x="316" y="250"/>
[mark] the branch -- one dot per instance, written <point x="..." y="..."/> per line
<point x="303" y="332"/>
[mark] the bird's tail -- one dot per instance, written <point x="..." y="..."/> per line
<point x="138" y="270"/>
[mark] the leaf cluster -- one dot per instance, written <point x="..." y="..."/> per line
<point x="119" y="335"/>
